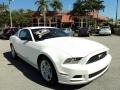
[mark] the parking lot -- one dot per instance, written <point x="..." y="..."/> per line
<point x="18" y="75"/>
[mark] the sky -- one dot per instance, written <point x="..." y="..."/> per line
<point x="109" y="11"/>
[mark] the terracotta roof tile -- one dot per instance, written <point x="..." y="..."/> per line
<point x="66" y="18"/>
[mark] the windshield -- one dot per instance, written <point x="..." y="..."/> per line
<point x="46" y="33"/>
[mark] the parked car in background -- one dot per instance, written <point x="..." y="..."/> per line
<point x="69" y="31"/>
<point x="58" y="57"/>
<point x="105" y="30"/>
<point x="7" y="32"/>
<point x="76" y="29"/>
<point x="84" y="31"/>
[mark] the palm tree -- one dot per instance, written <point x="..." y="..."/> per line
<point x="78" y="7"/>
<point x="93" y="5"/>
<point x="21" y="11"/>
<point x="42" y="4"/>
<point x="99" y="6"/>
<point x="3" y="8"/>
<point x="56" y="6"/>
<point x="89" y="6"/>
<point x="29" y="11"/>
<point x="42" y="8"/>
<point x="3" y="14"/>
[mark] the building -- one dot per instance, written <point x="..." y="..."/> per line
<point x="66" y="19"/>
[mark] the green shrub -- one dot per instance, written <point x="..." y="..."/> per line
<point x="117" y="30"/>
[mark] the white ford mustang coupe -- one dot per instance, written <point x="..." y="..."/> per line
<point x="58" y="57"/>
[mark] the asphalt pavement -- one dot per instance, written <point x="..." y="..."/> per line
<point x="18" y="75"/>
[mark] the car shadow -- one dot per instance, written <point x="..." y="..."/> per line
<point x="33" y="74"/>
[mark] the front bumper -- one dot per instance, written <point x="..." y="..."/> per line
<point x="81" y="74"/>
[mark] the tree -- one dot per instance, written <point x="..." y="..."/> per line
<point x="42" y="8"/>
<point x="87" y="6"/>
<point x="21" y="10"/>
<point x="99" y="6"/>
<point x="78" y="7"/>
<point x="42" y="4"/>
<point x="56" y="6"/>
<point x="95" y="5"/>
<point x="4" y="14"/>
<point x="22" y="18"/>
<point x="28" y="11"/>
<point x="3" y="8"/>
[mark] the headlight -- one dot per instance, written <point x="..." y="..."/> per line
<point x="72" y="60"/>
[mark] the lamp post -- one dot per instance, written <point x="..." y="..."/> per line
<point x="116" y="12"/>
<point x="11" y="24"/>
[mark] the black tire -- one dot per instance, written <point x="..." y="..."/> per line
<point x="13" y="52"/>
<point x="88" y="35"/>
<point x="51" y="79"/>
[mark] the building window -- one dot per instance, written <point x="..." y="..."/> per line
<point x="77" y="22"/>
<point x="84" y="22"/>
<point x="41" y="22"/>
<point x="34" y="20"/>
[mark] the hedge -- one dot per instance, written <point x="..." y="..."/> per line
<point x="117" y="31"/>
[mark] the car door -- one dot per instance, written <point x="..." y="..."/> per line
<point x="27" y="47"/>
<point x="24" y="40"/>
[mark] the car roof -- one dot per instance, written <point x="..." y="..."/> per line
<point x="38" y="27"/>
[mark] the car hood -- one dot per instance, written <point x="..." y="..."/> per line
<point x="76" y="47"/>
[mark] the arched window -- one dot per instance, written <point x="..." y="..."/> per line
<point x="77" y="22"/>
<point x="53" y="20"/>
<point x="34" y="20"/>
<point x="41" y="21"/>
<point x="84" y="22"/>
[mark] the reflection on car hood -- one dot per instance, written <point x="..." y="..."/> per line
<point x="76" y="47"/>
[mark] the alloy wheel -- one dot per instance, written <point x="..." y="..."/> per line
<point x="46" y="70"/>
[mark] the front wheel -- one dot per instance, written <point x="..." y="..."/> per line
<point x="47" y="71"/>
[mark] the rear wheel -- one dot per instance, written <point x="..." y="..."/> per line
<point x="14" y="55"/>
<point x="47" y="71"/>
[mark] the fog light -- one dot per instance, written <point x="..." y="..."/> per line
<point x="77" y="76"/>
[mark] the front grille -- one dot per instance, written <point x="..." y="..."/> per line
<point x="97" y="57"/>
<point x="96" y="73"/>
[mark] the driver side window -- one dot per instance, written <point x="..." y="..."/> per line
<point x="25" y="35"/>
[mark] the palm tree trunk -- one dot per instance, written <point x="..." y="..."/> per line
<point x="97" y="17"/>
<point x="44" y="16"/>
